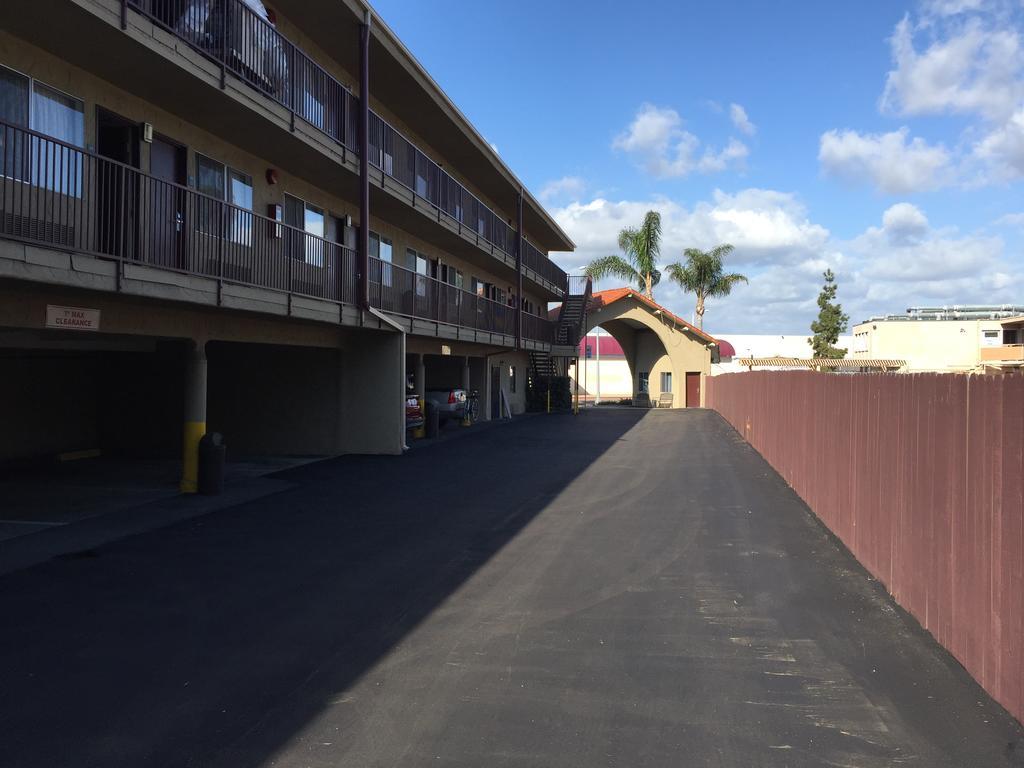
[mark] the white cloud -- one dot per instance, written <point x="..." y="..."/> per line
<point x="666" y="150"/>
<point x="1011" y="220"/>
<point x="899" y="262"/>
<point x="764" y="225"/>
<point x="956" y="57"/>
<point x="904" y="223"/>
<point x="566" y="187"/>
<point x="733" y="153"/>
<point x="943" y="8"/>
<point x="739" y="118"/>
<point x="1002" y="150"/>
<point x="887" y="160"/>
<point x="972" y="66"/>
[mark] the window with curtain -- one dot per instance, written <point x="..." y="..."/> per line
<point x="666" y="381"/>
<point x="54" y="166"/>
<point x="14" y="91"/>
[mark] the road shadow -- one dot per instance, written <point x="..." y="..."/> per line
<point x="213" y="641"/>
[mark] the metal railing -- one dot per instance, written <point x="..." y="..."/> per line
<point x="402" y="291"/>
<point x="538" y="328"/>
<point x="578" y="285"/>
<point x="241" y="41"/>
<point x="59" y="195"/>
<point x="244" y="43"/>
<point x="54" y="193"/>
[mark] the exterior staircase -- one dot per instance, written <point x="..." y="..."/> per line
<point x="572" y="319"/>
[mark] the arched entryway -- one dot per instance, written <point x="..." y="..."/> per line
<point x="667" y="357"/>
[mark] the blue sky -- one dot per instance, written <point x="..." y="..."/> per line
<point x="884" y="140"/>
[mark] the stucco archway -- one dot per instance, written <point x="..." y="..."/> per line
<point x="655" y="342"/>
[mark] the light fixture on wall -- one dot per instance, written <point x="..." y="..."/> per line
<point x="271" y="176"/>
<point x="147" y="133"/>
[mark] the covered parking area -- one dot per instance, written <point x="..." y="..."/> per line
<point x="496" y="374"/>
<point x="668" y="358"/>
<point x="103" y="397"/>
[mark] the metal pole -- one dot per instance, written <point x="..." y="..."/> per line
<point x="519" y="270"/>
<point x="364" y="163"/>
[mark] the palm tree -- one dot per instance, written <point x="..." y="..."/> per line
<point x="703" y="275"/>
<point x="641" y="248"/>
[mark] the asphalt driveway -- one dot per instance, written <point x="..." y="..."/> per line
<point x="616" y="589"/>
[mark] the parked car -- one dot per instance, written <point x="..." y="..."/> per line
<point x="413" y="412"/>
<point x="450" y="403"/>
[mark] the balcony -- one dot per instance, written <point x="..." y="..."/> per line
<point x="56" y="195"/>
<point x="242" y="42"/>
<point x="1006" y="353"/>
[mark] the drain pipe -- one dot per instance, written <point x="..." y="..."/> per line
<point x="363" y="298"/>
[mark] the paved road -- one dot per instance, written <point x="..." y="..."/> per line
<point x="615" y="590"/>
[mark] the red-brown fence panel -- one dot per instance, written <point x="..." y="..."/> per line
<point x="922" y="477"/>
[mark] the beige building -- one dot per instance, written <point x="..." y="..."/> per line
<point x="260" y="221"/>
<point x="953" y="340"/>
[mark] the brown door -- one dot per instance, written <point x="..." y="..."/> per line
<point x="692" y="390"/>
<point x="165" y="224"/>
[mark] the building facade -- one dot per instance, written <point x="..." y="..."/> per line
<point x="183" y="188"/>
<point x="943" y="339"/>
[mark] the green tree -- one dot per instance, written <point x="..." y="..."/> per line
<point x="831" y="321"/>
<point x="703" y="274"/>
<point x="641" y="248"/>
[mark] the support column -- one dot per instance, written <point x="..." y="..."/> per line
<point x="195" y="416"/>
<point x="465" y="373"/>
<point x="363" y="252"/>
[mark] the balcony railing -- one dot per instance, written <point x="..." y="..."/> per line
<point x="402" y="291"/>
<point x="56" y="194"/>
<point x="244" y="43"/>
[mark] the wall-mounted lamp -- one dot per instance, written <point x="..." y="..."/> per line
<point x="147" y="133"/>
<point x="271" y="176"/>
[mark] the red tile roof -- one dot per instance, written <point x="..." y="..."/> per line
<point x="604" y="298"/>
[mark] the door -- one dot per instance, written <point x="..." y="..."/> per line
<point x="165" y="223"/>
<point x="692" y="390"/>
<point x="495" y="392"/>
<point x="117" y="185"/>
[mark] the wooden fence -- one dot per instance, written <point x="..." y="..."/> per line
<point x="922" y="477"/>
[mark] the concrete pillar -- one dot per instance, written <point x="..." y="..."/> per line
<point x="195" y="416"/>
<point x="465" y="373"/>
<point x="420" y="368"/>
<point x="373" y="393"/>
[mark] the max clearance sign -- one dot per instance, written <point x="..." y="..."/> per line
<point x="72" y="318"/>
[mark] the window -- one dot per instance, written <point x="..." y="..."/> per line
<point x="313" y="224"/>
<point x="381" y="248"/>
<point x="459" y="281"/>
<point x="418" y="263"/>
<point x="210" y="181"/>
<point x="666" y="381"/>
<point x="27" y="103"/>
<point x="14" y="90"/>
<point x="240" y="195"/>
<point x="303" y="217"/>
<point x="644" y="382"/>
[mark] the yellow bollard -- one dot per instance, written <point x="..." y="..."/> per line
<point x="421" y="431"/>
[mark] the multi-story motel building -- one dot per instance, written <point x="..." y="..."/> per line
<point x="183" y="189"/>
